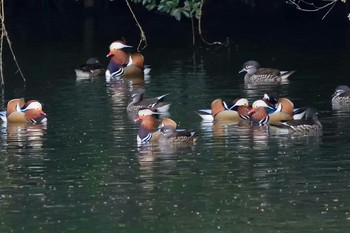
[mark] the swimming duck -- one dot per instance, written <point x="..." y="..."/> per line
<point x="166" y="132"/>
<point x="91" y="68"/>
<point x="224" y="114"/>
<point x="263" y="113"/>
<point x="239" y="105"/>
<point x="341" y="94"/>
<point x="259" y="115"/>
<point x="174" y="136"/>
<point x="257" y="75"/>
<point x="148" y="131"/>
<point x="138" y="101"/>
<point x="19" y="111"/>
<point x="124" y="62"/>
<point x="306" y="122"/>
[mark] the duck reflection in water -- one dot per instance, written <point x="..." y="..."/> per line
<point x="20" y="135"/>
<point x="160" y="157"/>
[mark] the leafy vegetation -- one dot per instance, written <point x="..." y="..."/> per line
<point x="176" y="8"/>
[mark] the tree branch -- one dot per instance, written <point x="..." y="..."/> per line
<point x="310" y="6"/>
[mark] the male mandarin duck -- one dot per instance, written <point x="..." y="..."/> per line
<point x="240" y="105"/>
<point x="341" y="95"/>
<point x="124" y="62"/>
<point x="306" y="122"/>
<point x="149" y="128"/>
<point x="263" y="113"/>
<point x="281" y="104"/>
<point x="284" y="105"/>
<point x="257" y="75"/>
<point x="259" y="115"/>
<point x="19" y="111"/>
<point x="224" y="114"/>
<point x="138" y="101"/>
<point x="92" y="68"/>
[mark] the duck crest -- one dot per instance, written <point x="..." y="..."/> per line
<point x="147" y="127"/>
<point x="125" y="58"/>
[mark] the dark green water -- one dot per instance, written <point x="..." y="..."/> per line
<point x="85" y="173"/>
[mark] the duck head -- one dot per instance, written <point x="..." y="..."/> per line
<point x="250" y="67"/>
<point x="258" y="115"/>
<point x="270" y="99"/>
<point x="239" y="102"/>
<point x="262" y="103"/>
<point x="340" y="90"/>
<point x="116" y="46"/>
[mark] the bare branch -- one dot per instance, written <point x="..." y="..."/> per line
<point x="5" y="34"/>
<point x="200" y="29"/>
<point x="310" y="6"/>
<point x="142" y="36"/>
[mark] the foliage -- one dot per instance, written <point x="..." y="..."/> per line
<point x="176" y="8"/>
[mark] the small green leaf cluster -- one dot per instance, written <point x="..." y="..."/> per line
<point x="176" y="8"/>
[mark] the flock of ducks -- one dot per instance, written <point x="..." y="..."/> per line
<point x="267" y="111"/>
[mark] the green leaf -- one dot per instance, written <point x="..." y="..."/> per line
<point x="177" y="13"/>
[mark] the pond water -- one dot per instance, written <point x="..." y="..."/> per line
<point x="84" y="171"/>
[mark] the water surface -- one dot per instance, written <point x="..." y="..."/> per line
<point x="84" y="171"/>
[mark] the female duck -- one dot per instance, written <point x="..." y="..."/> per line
<point x="92" y="68"/>
<point x="138" y="101"/>
<point x="257" y="75"/>
<point x="306" y="124"/>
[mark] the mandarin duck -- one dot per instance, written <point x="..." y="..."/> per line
<point x="148" y="131"/>
<point x="341" y="95"/>
<point x="19" y="111"/>
<point x="166" y="132"/>
<point x="92" y="68"/>
<point x="263" y="113"/>
<point x="150" y="125"/>
<point x="257" y="75"/>
<point x="234" y="114"/>
<point x="284" y="105"/>
<point x="125" y="63"/>
<point x="238" y="105"/>
<point x="306" y="122"/>
<point x="138" y="101"/>
<point x="174" y="136"/>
